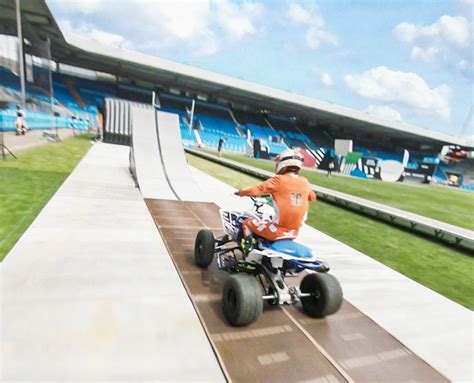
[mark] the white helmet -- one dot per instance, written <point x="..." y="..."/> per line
<point x="289" y="158"/>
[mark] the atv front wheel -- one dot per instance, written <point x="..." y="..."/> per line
<point x="204" y="248"/>
<point x="242" y="300"/>
<point x="326" y="294"/>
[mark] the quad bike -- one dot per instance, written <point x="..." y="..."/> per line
<point x="258" y="271"/>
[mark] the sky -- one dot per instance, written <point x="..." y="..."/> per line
<point x="404" y="60"/>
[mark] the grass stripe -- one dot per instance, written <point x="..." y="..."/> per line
<point x="28" y="183"/>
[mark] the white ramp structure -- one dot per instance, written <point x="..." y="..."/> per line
<point x="157" y="159"/>
<point x="146" y="163"/>
<point x="174" y="159"/>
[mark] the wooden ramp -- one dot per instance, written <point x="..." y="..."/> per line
<point x="284" y="345"/>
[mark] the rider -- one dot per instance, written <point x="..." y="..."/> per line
<point x="290" y="192"/>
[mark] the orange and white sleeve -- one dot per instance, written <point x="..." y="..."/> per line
<point x="266" y="187"/>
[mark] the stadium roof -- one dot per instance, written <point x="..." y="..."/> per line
<point x="38" y="24"/>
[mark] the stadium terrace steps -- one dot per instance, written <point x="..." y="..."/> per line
<point x="441" y="231"/>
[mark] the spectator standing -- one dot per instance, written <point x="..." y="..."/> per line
<point x="331" y="167"/>
<point x="20" y="124"/>
<point x="219" y="146"/>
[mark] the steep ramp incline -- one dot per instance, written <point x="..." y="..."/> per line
<point x="146" y="163"/>
<point x="173" y="158"/>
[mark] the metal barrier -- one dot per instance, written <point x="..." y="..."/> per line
<point x="450" y="234"/>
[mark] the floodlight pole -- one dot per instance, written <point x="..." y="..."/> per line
<point x="192" y="115"/>
<point x="20" y="53"/>
<point x="51" y="90"/>
<point x="153" y="99"/>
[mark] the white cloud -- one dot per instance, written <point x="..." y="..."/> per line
<point x="309" y="16"/>
<point x="384" y="112"/>
<point x="237" y="21"/>
<point x="93" y="33"/>
<point x="401" y="88"/>
<point x="326" y="79"/>
<point x="298" y="14"/>
<point x="316" y="37"/>
<point x="201" y="27"/>
<point x="438" y="41"/>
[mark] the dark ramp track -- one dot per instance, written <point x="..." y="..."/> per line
<point x="284" y="345"/>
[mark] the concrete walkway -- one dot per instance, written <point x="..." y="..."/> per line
<point x="90" y="294"/>
<point x="435" y="328"/>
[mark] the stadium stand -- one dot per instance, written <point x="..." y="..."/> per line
<point x="458" y="174"/>
<point x="211" y="122"/>
<point x="77" y="101"/>
<point x="244" y="118"/>
<point x="317" y="135"/>
<point x="215" y="119"/>
<point x="174" y="104"/>
<point x="257" y="126"/>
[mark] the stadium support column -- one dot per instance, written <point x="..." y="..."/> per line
<point x="20" y="53"/>
<point x="51" y="89"/>
<point x="192" y="115"/>
<point x="50" y="74"/>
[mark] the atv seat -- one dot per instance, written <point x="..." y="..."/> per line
<point x="292" y="248"/>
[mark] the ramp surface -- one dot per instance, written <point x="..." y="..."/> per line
<point x="284" y="344"/>
<point x="157" y="158"/>
<point x="174" y="158"/>
<point x="145" y="156"/>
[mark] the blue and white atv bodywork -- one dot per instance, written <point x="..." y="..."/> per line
<point x="258" y="273"/>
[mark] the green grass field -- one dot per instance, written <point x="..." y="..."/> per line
<point x="443" y="269"/>
<point x="27" y="184"/>
<point x="448" y="205"/>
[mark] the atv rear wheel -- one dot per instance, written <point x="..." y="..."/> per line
<point x="326" y="294"/>
<point x="204" y="248"/>
<point x="242" y="300"/>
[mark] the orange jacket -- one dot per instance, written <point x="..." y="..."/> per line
<point x="290" y="193"/>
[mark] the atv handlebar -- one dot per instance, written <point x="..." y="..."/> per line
<point x="264" y="199"/>
<point x="259" y="202"/>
